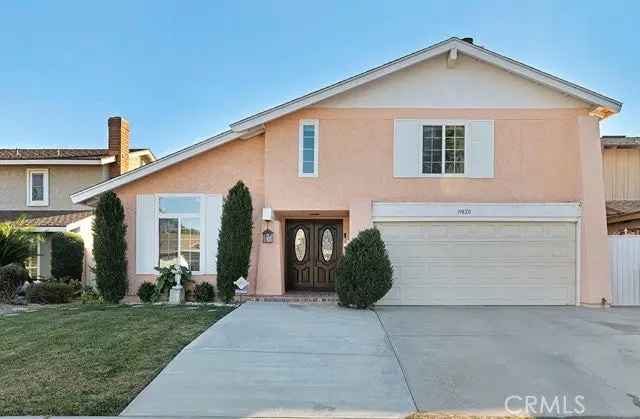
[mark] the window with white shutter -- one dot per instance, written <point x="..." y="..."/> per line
<point x="442" y="148"/>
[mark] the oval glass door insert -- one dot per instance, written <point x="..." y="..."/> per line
<point x="327" y="245"/>
<point x="300" y="244"/>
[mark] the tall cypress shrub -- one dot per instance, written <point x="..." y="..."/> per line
<point x="67" y="255"/>
<point x="110" y="248"/>
<point x="235" y="239"/>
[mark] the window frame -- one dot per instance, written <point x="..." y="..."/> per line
<point x="201" y="217"/>
<point x="443" y="123"/>
<point x="37" y="260"/>
<point x="45" y="187"/>
<point x="316" y="125"/>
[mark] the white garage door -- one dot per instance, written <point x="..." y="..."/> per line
<point x="479" y="263"/>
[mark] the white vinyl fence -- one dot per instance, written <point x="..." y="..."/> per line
<point x="624" y="270"/>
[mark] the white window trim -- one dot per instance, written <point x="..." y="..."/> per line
<point x="316" y="125"/>
<point x="443" y="123"/>
<point x="45" y="185"/>
<point x="38" y="255"/>
<point x="201" y="214"/>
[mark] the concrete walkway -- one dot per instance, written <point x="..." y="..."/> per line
<point x="282" y="360"/>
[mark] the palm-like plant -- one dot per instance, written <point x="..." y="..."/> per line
<point x="16" y="242"/>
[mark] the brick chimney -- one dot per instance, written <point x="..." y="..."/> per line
<point x="118" y="145"/>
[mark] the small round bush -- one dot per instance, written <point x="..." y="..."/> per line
<point x="51" y="292"/>
<point x="204" y="292"/>
<point x="364" y="273"/>
<point x="147" y="292"/>
<point x="12" y="276"/>
<point x="90" y="295"/>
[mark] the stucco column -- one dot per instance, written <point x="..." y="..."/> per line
<point x="594" y="245"/>
<point x="270" y="264"/>
<point x="359" y="216"/>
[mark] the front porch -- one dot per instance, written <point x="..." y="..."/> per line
<point x="299" y="263"/>
<point x="292" y="297"/>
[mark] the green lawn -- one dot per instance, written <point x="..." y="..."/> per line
<point x="90" y="359"/>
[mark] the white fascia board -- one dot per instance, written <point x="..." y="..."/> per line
<point x="47" y="229"/>
<point x="171" y="159"/>
<point x="341" y="86"/>
<point x="406" y="211"/>
<point x="58" y="162"/>
<point x="490" y="57"/>
<point x="539" y="76"/>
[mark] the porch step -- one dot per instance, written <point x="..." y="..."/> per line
<point x="292" y="298"/>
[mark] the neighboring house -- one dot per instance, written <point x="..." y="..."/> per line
<point x="36" y="184"/>
<point x="621" y="166"/>
<point x="483" y="174"/>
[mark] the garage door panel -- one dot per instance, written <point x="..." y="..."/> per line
<point x="481" y="262"/>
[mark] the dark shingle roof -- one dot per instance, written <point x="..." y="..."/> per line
<point x="57" y="153"/>
<point x="46" y="218"/>
<point x="620" y="141"/>
<point x="619" y="208"/>
<point x="53" y="153"/>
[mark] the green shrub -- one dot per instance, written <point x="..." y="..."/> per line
<point x="235" y="239"/>
<point x="90" y="295"/>
<point x="110" y="248"/>
<point x="67" y="255"/>
<point x="364" y="273"/>
<point x="147" y="292"/>
<point x="50" y="292"/>
<point x="12" y="277"/>
<point x="204" y="292"/>
<point x="167" y="279"/>
<point x="16" y="242"/>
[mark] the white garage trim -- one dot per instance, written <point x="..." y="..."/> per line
<point x="495" y="212"/>
<point x="456" y="211"/>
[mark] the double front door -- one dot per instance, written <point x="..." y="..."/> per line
<point x="313" y="248"/>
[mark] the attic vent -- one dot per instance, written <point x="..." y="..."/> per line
<point x="469" y="40"/>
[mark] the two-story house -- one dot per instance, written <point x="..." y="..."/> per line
<point x="621" y="167"/>
<point x="36" y="184"/>
<point x="483" y="174"/>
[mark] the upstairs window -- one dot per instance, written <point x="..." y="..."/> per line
<point x="308" y="149"/>
<point x="443" y="148"/>
<point x="37" y="187"/>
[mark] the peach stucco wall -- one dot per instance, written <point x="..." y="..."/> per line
<point x="535" y="159"/>
<point x="213" y="172"/>
<point x="594" y="253"/>
<point x="541" y="155"/>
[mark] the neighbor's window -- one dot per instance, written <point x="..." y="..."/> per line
<point x="32" y="264"/>
<point x="443" y="155"/>
<point x="37" y="187"/>
<point x="308" y="148"/>
<point x="179" y="226"/>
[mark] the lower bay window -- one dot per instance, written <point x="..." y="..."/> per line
<point x="179" y="231"/>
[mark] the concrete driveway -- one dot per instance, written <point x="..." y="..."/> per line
<point x="471" y="359"/>
<point x="279" y="360"/>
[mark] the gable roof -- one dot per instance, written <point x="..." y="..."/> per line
<point x="603" y="106"/>
<point x="620" y="141"/>
<point x="46" y="218"/>
<point x="78" y="156"/>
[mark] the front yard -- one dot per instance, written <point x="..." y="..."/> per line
<point x="90" y="359"/>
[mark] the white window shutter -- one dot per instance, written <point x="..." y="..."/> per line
<point x="481" y="153"/>
<point x="145" y="234"/>
<point x="406" y="148"/>
<point x="212" y="216"/>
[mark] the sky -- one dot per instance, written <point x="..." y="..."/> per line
<point x="181" y="71"/>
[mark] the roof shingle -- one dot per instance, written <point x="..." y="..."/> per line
<point x="620" y="141"/>
<point x="46" y="218"/>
